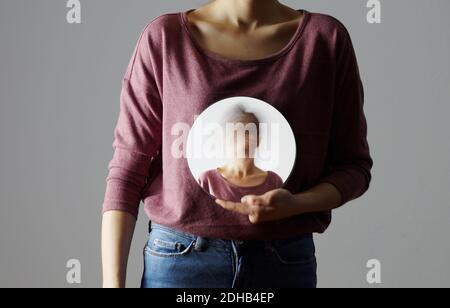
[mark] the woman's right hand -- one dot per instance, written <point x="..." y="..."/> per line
<point x="117" y="234"/>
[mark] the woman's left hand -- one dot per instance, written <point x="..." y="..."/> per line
<point x="273" y="205"/>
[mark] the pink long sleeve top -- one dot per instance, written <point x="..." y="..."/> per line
<point x="314" y="81"/>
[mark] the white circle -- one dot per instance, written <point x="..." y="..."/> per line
<point x="280" y="153"/>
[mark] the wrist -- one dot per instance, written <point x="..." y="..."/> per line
<point x="113" y="284"/>
<point x="302" y="203"/>
<point x="297" y="204"/>
<point x="323" y="197"/>
<point x="114" y="281"/>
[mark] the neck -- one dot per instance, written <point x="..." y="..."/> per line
<point x="247" y="13"/>
<point x="241" y="167"/>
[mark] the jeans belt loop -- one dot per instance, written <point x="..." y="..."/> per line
<point x="149" y="226"/>
<point x="200" y="243"/>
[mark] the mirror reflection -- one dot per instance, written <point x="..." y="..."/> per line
<point x="240" y="146"/>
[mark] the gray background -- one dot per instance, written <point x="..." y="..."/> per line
<point x="59" y="92"/>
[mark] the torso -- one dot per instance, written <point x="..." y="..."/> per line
<point x="299" y="83"/>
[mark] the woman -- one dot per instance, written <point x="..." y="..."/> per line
<point x="240" y="176"/>
<point x="304" y="64"/>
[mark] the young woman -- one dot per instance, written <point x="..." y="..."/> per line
<point x="239" y="176"/>
<point x="301" y="62"/>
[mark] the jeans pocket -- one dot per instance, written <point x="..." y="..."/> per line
<point x="165" y="243"/>
<point x="296" y="251"/>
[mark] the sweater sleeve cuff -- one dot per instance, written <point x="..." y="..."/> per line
<point x="117" y="206"/>
<point x="120" y="196"/>
<point x="351" y="183"/>
<point x="125" y="181"/>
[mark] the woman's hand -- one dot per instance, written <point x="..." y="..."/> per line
<point x="273" y="205"/>
<point x="281" y="203"/>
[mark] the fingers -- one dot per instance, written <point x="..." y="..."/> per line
<point x="236" y="206"/>
<point x="260" y="202"/>
<point x="243" y="208"/>
<point x="253" y="200"/>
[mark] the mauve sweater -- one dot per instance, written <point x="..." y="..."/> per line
<point x="218" y="186"/>
<point x="314" y="81"/>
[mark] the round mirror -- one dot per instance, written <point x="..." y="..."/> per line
<point x="238" y="146"/>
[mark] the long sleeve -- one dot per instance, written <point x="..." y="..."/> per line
<point x="349" y="160"/>
<point x="138" y="132"/>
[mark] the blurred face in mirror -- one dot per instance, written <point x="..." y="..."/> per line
<point x="242" y="135"/>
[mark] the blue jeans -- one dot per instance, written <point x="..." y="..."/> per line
<point x="175" y="259"/>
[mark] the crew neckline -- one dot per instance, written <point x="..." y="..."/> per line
<point x="242" y="187"/>
<point x="215" y="56"/>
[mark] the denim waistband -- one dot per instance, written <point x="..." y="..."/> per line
<point x="224" y="243"/>
<point x="215" y="242"/>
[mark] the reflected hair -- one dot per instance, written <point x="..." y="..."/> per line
<point x="239" y="114"/>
